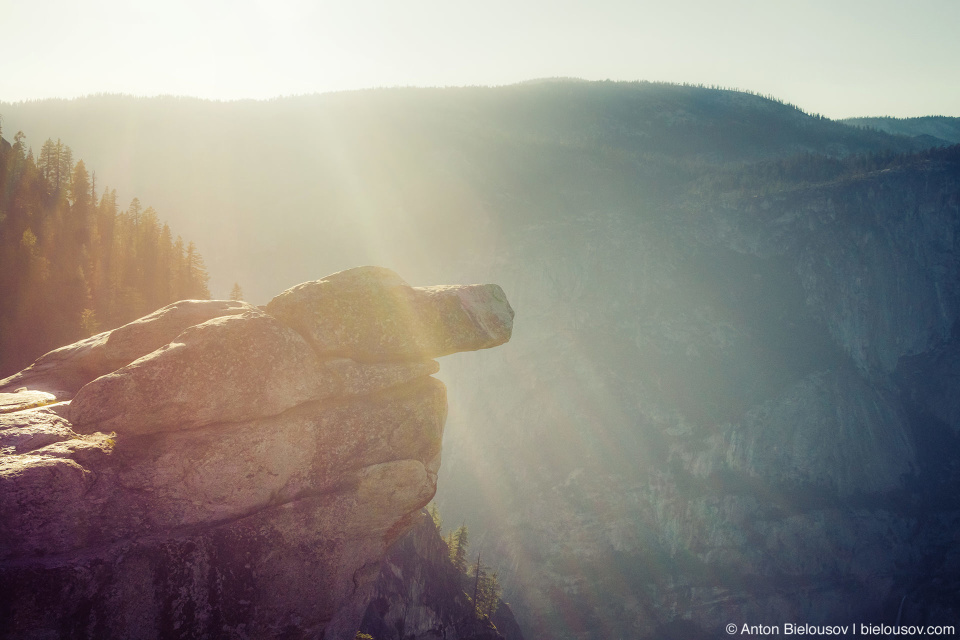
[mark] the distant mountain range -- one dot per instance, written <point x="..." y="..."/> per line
<point x="929" y="130"/>
<point x="258" y="185"/>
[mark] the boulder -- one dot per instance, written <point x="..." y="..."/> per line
<point x="223" y="370"/>
<point x="227" y="369"/>
<point x="64" y="370"/>
<point x="371" y="314"/>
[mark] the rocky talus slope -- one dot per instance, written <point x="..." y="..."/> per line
<point x="218" y="470"/>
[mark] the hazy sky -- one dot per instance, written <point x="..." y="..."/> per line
<point x="835" y="57"/>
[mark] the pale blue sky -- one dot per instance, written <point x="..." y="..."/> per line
<point x="839" y="57"/>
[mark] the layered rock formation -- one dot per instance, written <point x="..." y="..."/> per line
<point x="217" y="470"/>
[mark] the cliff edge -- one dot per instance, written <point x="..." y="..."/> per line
<point x="220" y="470"/>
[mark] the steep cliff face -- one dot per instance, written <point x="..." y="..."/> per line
<point x="753" y="415"/>
<point x="216" y="470"/>
<point x="419" y="595"/>
<point x="876" y="255"/>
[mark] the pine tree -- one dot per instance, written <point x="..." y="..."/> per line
<point x="179" y="270"/>
<point x="197" y="277"/>
<point x="236" y="293"/>
<point x="165" y="266"/>
<point x="89" y="325"/>
<point x="148" y="247"/>
<point x="479" y="574"/>
<point x="434" y="513"/>
<point x="457" y="544"/>
<point x="18" y="146"/>
<point x="64" y="166"/>
<point x="48" y="162"/>
<point x="486" y="590"/>
<point x="80" y="185"/>
<point x="134" y="211"/>
<point x="489" y="594"/>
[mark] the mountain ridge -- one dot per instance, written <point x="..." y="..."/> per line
<point x="219" y="171"/>
<point x="932" y="130"/>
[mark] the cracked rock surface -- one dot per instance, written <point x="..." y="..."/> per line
<point x="235" y="476"/>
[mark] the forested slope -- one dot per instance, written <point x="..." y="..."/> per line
<point x="72" y="262"/>
<point x="930" y="130"/>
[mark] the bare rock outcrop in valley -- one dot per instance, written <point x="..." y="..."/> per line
<point x="216" y="470"/>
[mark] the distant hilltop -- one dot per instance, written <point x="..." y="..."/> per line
<point x="933" y="130"/>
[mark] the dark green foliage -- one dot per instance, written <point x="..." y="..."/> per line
<point x="458" y="542"/>
<point x="434" y="512"/>
<point x="805" y="169"/>
<point x="489" y="594"/>
<point x="72" y="265"/>
<point x="936" y="130"/>
<point x="485" y="590"/>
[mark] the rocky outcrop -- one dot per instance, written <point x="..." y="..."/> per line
<point x="389" y="320"/>
<point x="419" y="595"/>
<point x="209" y="472"/>
<point x="64" y="370"/>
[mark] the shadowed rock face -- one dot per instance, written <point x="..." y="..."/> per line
<point x="228" y="478"/>
<point x="419" y="595"/>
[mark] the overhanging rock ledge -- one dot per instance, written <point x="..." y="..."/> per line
<point x="219" y="470"/>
